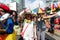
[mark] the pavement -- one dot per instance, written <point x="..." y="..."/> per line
<point x="55" y="36"/>
<point x="49" y="36"/>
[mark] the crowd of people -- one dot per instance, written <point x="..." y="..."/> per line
<point x="32" y="26"/>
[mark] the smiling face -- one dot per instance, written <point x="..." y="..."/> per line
<point x="28" y="16"/>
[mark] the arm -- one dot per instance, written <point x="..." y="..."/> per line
<point x="21" y="16"/>
<point x="9" y="30"/>
<point x="21" y="13"/>
<point x="35" y="35"/>
<point x="34" y="29"/>
<point x="50" y="16"/>
<point x="21" y="26"/>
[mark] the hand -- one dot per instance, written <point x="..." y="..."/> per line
<point x="22" y="34"/>
<point x="35" y="37"/>
<point x="56" y="14"/>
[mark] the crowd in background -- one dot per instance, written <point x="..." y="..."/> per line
<point x="31" y="26"/>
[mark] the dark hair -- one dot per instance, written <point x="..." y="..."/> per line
<point x="12" y="13"/>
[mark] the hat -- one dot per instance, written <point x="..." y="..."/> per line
<point x="5" y="7"/>
<point x="28" y="11"/>
<point x="40" y="11"/>
<point x="5" y="16"/>
<point x="34" y="14"/>
<point x="58" y="4"/>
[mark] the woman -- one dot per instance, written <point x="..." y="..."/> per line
<point x="14" y="16"/>
<point x="6" y="31"/>
<point x="41" y="26"/>
<point x="28" y="31"/>
<point x="3" y="10"/>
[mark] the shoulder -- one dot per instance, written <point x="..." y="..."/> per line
<point x="10" y="20"/>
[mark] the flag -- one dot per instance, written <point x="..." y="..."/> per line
<point x="53" y="7"/>
<point x="40" y="10"/>
<point x="33" y="4"/>
<point x="59" y="4"/>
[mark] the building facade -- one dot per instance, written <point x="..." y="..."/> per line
<point x="20" y="5"/>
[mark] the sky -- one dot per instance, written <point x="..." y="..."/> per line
<point x="5" y="1"/>
<point x="34" y="4"/>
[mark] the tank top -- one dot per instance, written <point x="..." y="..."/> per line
<point x="41" y="25"/>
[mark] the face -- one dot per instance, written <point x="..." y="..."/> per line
<point x="44" y="14"/>
<point x="14" y="14"/>
<point x="38" y="16"/>
<point x="2" y="12"/>
<point x="28" y="16"/>
<point x="34" y="19"/>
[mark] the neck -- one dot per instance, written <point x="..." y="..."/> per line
<point x="28" y="21"/>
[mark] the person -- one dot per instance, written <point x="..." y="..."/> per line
<point x="34" y="17"/>
<point x="29" y="29"/>
<point x="3" y="9"/>
<point x="57" y="21"/>
<point x="6" y="23"/>
<point x="40" y="23"/>
<point x="52" y="24"/>
<point x="34" y="20"/>
<point x="14" y="16"/>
